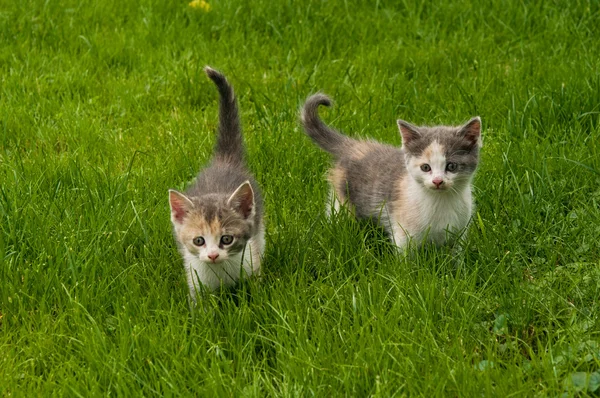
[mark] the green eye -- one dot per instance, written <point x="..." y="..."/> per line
<point x="226" y="240"/>
<point x="426" y="168"/>
<point x="198" y="241"/>
<point x="451" y="166"/>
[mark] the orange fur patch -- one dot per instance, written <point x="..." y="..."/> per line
<point x="196" y="225"/>
<point x="360" y="149"/>
<point x="215" y="226"/>
<point x="337" y="179"/>
<point x="433" y="149"/>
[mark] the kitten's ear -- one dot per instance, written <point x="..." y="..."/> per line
<point x="242" y="200"/>
<point x="408" y="131"/>
<point x="180" y="206"/>
<point x="472" y="131"/>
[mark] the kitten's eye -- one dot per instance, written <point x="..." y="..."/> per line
<point x="451" y="166"/>
<point x="426" y="168"/>
<point x="226" y="239"/>
<point x="198" y="241"/>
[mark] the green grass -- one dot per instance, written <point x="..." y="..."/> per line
<point x="104" y="107"/>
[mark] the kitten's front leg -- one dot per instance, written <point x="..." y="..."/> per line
<point x="333" y="203"/>
<point x="400" y="239"/>
<point x="194" y="285"/>
<point x="252" y="258"/>
<point x="457" y="249"/>
<point x="254" y="252"/>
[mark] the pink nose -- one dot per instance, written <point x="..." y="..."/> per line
<point x="213" y="256"/>
<point x="438" y="182"/>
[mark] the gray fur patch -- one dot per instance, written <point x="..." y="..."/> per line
<point x="220" y="180"/>
<point x="370" y="181"/>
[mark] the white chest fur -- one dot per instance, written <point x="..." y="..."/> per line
<point x="428" y="215"/>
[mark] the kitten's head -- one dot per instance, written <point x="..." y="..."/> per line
<point x="213" y="227"/>
<point x="442" y="159"/>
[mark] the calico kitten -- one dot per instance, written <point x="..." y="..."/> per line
<point x="218" y="222"/>
<point x="420" y="192"/>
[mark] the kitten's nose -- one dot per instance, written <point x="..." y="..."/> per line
<point x="438" y="182"/>
<point x="213" y="256"/>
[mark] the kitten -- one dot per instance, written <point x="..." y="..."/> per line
<point x="418" y="193"/>
<point x="218" y="222"/>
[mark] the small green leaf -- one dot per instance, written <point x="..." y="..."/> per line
<point x="501" y="324"/>
<point x="481" y="226"/>
<point x="582" y="381"/>
<point x="578" y="381"/>
<point x="485" y="365"/>
<point x="594" y="382"/>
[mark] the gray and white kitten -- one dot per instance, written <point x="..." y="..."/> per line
<point x="218" y="222"/>
<point x="420" y="192"/>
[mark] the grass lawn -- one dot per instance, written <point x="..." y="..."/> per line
<point x="104" y="106"/>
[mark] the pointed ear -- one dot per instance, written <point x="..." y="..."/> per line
<point x="472" y="131"/>
<point x="242" y="200"/>
<point x="180" y="206"/>
<point x="408" y="131"/>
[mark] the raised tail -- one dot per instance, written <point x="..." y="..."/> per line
<point x="229" y="146"/>
<point x="327" y="138"/>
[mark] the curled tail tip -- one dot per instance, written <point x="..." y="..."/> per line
<point x="309" y="110"/>
<point x="210" y="72"/>
<point x="318" y="99"/>
<point x="223" y="85"/>
<point x="215" y="76"/>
